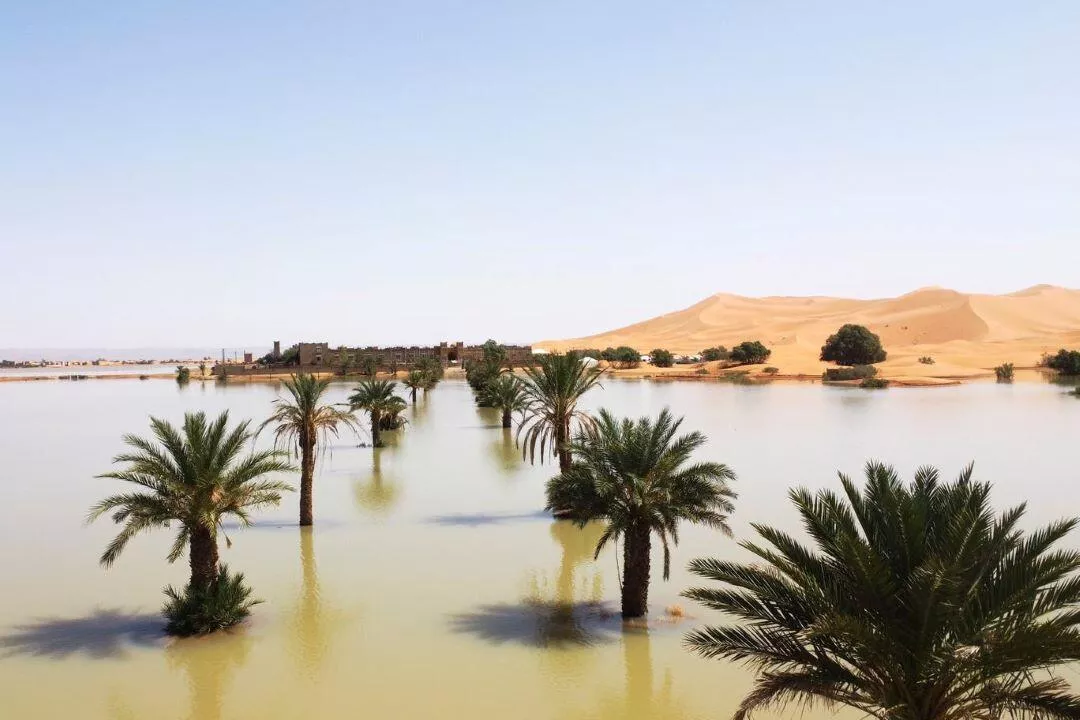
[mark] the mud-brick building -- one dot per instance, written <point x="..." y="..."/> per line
<point x="314" y="356"/>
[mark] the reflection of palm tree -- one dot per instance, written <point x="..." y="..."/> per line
<point x="310" y="630"/>
<point x="505" y="452"/>
<point x="376" y="494"/>
<point x="641" y="699"/>
<point x="209" y="663"/>
<point x="578" y="545"/>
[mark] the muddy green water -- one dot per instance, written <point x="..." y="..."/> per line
<point x="431" y="586"/>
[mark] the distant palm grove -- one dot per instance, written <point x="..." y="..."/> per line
<point x="903" y="599"/>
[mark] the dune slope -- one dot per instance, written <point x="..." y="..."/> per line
<point x="965" y="334"/>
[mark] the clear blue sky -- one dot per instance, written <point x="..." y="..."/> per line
<point x="202" y="173"/>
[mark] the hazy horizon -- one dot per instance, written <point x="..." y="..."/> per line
<point x="191" y="175"/>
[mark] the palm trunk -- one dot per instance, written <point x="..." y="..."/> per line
<point x="307" y="476"/>
<point x="635" y="589"/>
<point x="562" y="446"/>
<point x="203" y="558"/>
<point x="413" y="396"/>
<point x="507" y="419"/>
<point x="376" y="439"/>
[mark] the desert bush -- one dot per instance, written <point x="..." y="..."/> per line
<point x="661" y="358"/>
<point x="144" y="377"/>
<point x="701" y="371"/>
<point x="858" y="372"/>
<point x="226" y="602"/>
<point x="1004" y="372"/>
<point x="926" y="360"/>
<point x="622" y="356"/>
<point x="714" y="353"/>
<point x="771" y="370"/>
<point x="1066" y="362"/>
<point x="183" y="374"/>
<point x="750" y="353"/>
<point x="874" y="383"/>
<point x="853" y="345"/>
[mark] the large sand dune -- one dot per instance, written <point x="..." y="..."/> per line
<point x="965" y="334"/>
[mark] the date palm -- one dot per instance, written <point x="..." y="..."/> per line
<point x="913" y="601"/>
<point x="191" y="477"/>
<point x="637" y="477"/>
<point x="415" y="380"/>
<point x="302" y="423"/>
<point x="507" y="394"/>
<point x="552" y="390"/>
<point x="377" y="398"/>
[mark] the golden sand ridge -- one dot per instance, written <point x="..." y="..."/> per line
<point x="966" y="334"/>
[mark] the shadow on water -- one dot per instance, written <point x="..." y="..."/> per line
<point x="541" y="624"/>
<point x="104" y="634"/>
<point x="478" y="519"/>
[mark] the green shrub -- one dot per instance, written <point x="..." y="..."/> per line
<point x="771" y="370"/>
<point x="1066" y="362"/>
<point x="926" y="360"/>
<point x="873" y="383"/>
<point x="853" y="345"/>
<point x="750" y="353"/>
<point x="1004" y="372"/>
<point x="715" y="353"/>
<point x="858" y="372"/>
<point x="623" y="356"/>
<point x="183" y="374"/>
<point x="661" y="358"/>
<point x="701" y="371"/>
<point x="225" y="603"/>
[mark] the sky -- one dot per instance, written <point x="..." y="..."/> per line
<point x="208" y="173"/>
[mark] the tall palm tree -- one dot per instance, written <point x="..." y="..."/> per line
<point x="377" y="398"/>
<point x="506" y="393"/>
<point x="415" y="380"/>
<point x="913" y="601"/>
<point x="635" y="476"/>
<point x="552" y="390"/>
<point x="193" y="477"/>
<point x="302" y="424"/>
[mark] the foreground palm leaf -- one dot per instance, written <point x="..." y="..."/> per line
<point x="193" y="477"/>
<point x="915" y="602"/>
<point x="302" y="424"/>
<point x="634" y="475"/>
<point x="552" y="390"/>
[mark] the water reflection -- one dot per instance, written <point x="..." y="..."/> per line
<point x="641" y="698"/>
<point x="376" y="493"/>
<point x="505" y="452"/>
<point x="311" y="634"/>
<point x="209" y="663"/>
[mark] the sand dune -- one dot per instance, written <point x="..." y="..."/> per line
<point x="965" y="334"/>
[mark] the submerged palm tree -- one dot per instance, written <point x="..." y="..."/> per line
<point x="193" y="477"/>
<point x="914" y="602"/>
<point x="506" y="393"/>
<point x="302" y="423"/>
<point x="377" y="398"/>
<point x="552" y="390"/>
<point x="415" y="380"/>
<point x="634" y="474"/>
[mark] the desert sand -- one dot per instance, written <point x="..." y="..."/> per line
<point x="966" y="334"/>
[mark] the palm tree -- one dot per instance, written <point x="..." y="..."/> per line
<point x="506" y="393"/>
<point x="633" y="474"/>
<point x="302" y="424"/>
<point x="377" y="398"/>
<point x="415" y="380"/>
<point x="193" y="477"/>
<point x="914" y="601"/>
<point x="552" y="391"/>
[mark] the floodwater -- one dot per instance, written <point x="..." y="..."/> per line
<point x="432" y="585"/>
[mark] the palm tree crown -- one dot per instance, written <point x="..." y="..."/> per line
<point x="634" y="474"/>
<point x="194" y="477"/>
<point x="507" y="393"/>
<point x="913" y="602"/>
<point x="377" y="398"/>
<point x="552" y="391"/>
<point x="303" y="424"/>
<point x="415" y="380"/>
